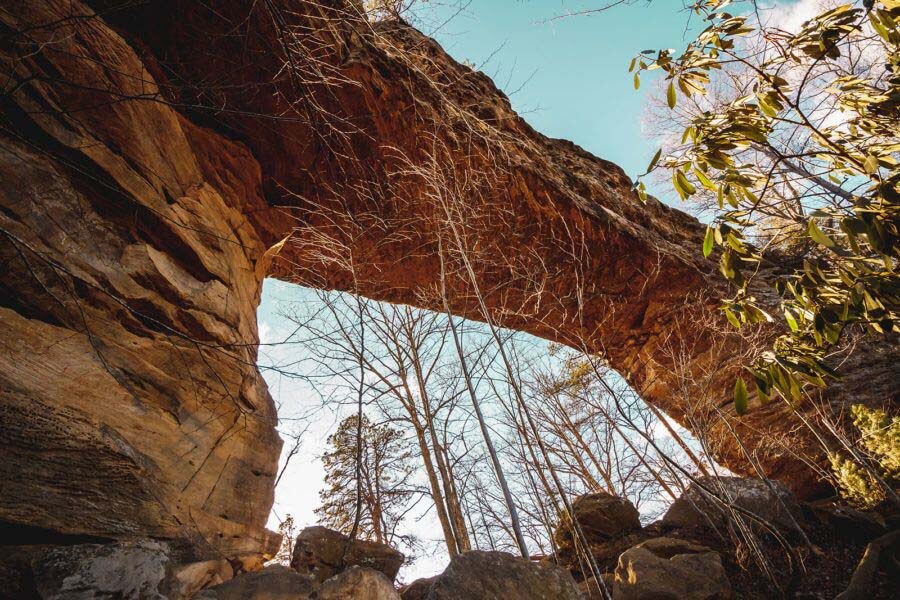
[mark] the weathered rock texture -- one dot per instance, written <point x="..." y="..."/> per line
<point x="418" y="589"/>
<point x="723" y="499"/>
<point x="610" y="525"/>
<point x="602" y="517"/>
<point x="692" y="560"/>
<point x="282" y="583"/>
<point x="153" y="158"/>
<point x="323" y="553"/>
<point x="358" y="583"/>
<point x="131" y="404"/>
<point x="670" y="569"/>
<point x="272" y="583"/>
<point x="141" y="569"/>
<point x="129" y="570"/>
<point x="478" y="575"/>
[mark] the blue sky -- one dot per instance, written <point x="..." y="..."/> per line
<point x="568" y="76"/>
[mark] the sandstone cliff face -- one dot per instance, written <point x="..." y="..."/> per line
<point x="131" y="404"/>
<point x="157" y="161"/>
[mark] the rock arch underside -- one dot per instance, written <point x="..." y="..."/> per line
<point x="158" y="160"/>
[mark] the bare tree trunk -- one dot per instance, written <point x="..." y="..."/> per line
<point x="455" y="505"/>
<point x="436" y="493"/>
<point x="374" y="500"/>
<point x="495" y="460"/>
<point x="486" y="314"/>
<point x="453" y="508"/>
<point x="359" y="421"/>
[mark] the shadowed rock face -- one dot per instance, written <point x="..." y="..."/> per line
<point x="131" y="403"/>
<point x="275" y="582"/>
<point x="157" y="161"/>
<point x="322" y="553"/>
<point x="479" y="575"/>
<point x="770" y="501"/>
<point x="602" y="517"/>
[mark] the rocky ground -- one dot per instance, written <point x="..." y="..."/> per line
<point x="811" y="550"/>
<point x="695" y="552"/>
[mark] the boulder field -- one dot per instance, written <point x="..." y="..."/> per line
<point x="705" y="553"/>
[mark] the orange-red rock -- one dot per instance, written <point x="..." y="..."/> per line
<point x="154" y="157"/>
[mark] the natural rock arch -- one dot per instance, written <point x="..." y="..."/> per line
<point x="156" y="162"/>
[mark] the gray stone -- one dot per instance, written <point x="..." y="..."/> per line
<point x="134" y="570"/>
<point x="775" y="504"/>
<point x="481" y="575"/>
<point x="140" y="570"/>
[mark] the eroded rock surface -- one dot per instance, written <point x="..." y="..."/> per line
<point x="769" y="501"/>
<point x="143" y="569"/>
<point x="670" y="569"/>
<point x="128" y="570"/>
<point x="155" y="165"/>
<point x="479" y="575"/>
<point x="602" y="517"/>
<point x="190" y="579"/>
<point x="130" y="404"/>
<point x="418" y="589"/>
<point x="322" y="553"/>
<point x="610" y="524"/>
<point x="272" y="583"/>
<point x="358" y="583"/>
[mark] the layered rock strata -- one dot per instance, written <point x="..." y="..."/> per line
<point x="158" y="160"/>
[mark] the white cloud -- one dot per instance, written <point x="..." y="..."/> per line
<point x="790" y="16"/>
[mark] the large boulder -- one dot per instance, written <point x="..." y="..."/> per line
<point x="191" y="578"/>
<point x="126" y="570"/>
<point x="272" y="583"/>
<point x="143" y="569"/>
<point x="771" y="501"/>
<point x="323" y="553"/>
<point x="481" y="575"/>
<point x="358" y="583"/>
<point x="418" y="589"/>
<point x="846" y="522"/>
<point x="278" y="582"/>
<point x="602" y="516"/>
<point x="670" y="569"/>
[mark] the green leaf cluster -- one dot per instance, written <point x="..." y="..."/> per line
<point x="848" y="231"/>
